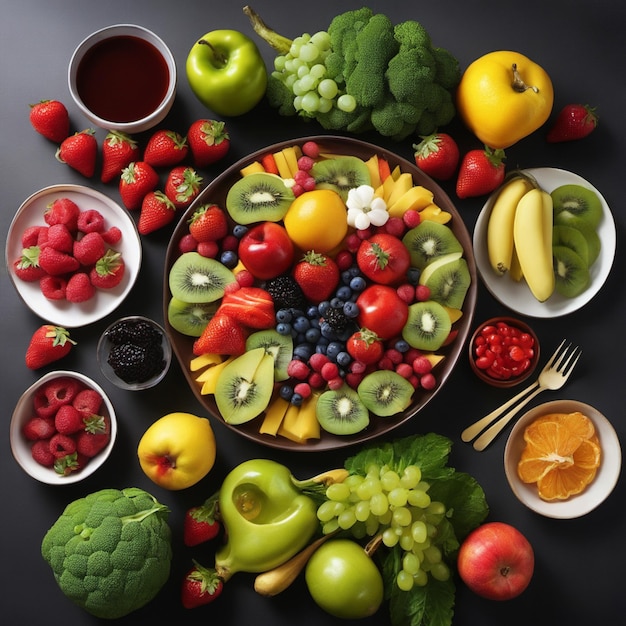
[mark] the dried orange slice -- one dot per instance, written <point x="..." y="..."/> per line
<point x="562" y="455"/>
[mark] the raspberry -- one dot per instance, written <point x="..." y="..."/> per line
<point x="394" y="226"/>
<point x="422" y="293"/>
<point x="61" y="445"/>
<point x="187" y="243"/>
<point x="39" y="428"/>
<point x="428" y="381"/>
<point x="404" y="370"/>
<point x="40" y="452"/>
<point x="68" y="420"/>
<point x="317" y="361"/>
<point x="90" y="221"/>
<point x="411" y="218"/>
<point x="298" y="369"/>
<point x="87" y="401"/>
<point x="303" y="389"/>
<point x="421" y="365"/>
<point x="329" y="371"/>
<point x="406" y="293"/>
<point x="311" y="149"/>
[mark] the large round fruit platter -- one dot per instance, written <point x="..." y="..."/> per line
<point x="318" y="293"/>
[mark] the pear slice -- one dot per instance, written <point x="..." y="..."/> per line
<point x="244" y="387"/>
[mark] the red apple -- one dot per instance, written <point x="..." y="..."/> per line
<point x="496" y="561"/>
<point x="266" y="250"/>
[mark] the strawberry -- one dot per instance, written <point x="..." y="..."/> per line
<point x="250" y="306"/>
<point x="57" y="263"/>
<point x="90" y="221"/>
<point x="80" y="152"/>
<point x="79" y="288"/>
<point x="50" y="119"/>
<point x="209" y="141"/>
<point x="68" y="420"/>
<point x="87" y="401"/>
<point x="437" y="155"/>
<point x="108" y="270"/>
<point x="157" y="211"/>
<point x="31" y="235"/>
<point x="222" y="335"/>
<point x="112" y="236"/>
<point x="95" y="436"/>
<point x="39" y="428"/>
<point x="48" y="343"/>
<point x="208" y="223"/>
<point x="53" y="287"/>
<point x="69" y="463"/>
<point x="200" y="586"/>
<point x="182" y="186"/>
<point x="317" y="274"/>
<point x="60" y="238"/>
<point x="62" y="445"/>
<point x="118" y="151"/>
<point x="480" y="173"/>
<point x="27" y="268"/>
<point x="165" y="148"/>
<point x="62" y="211"/>
<point x="40" y="451"/>
<point x="574" y="121"/>
<point x="89" y="248"/>
<point x="137" y="179"/>
<point x="200" y="523"/>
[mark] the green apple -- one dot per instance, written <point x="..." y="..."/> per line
<point x="226" y="72"/>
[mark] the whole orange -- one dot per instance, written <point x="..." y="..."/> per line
<point x="317" y="220"/>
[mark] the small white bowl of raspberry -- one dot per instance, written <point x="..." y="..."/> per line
<point x="63" y="428"/>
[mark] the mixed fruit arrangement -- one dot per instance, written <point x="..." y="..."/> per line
<point x="549" y="240"/>
<point x="322" y="292"/>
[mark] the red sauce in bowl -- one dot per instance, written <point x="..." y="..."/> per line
<point x="122" y="79"/>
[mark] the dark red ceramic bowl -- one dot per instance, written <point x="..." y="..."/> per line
<point x="216" y="192"/>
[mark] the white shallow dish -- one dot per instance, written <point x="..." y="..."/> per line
<point x="517" y="296"/>
<point x="595" y="493"/>
<point x="64" y="313"/>
<point x="20" y="446"/>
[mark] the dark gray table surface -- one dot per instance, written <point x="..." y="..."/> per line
<point x="581" y="45"/>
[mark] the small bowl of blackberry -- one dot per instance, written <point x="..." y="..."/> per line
<point x="134" y="353"/>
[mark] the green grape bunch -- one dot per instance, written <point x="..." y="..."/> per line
<point x="363" y="74"/>
<point x="399" y="509"/>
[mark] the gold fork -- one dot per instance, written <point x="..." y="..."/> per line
<point x="553" y="376"/>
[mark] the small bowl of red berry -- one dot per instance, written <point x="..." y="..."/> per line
<point x="134" y="353"/>
<point x="503" y="351"/>
<point x="63" y="428"/>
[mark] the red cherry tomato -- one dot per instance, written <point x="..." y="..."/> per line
<point x="383" y="258"/>
<point x="382" y="311"/>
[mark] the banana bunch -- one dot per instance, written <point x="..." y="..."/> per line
<point x="519" y="235"/>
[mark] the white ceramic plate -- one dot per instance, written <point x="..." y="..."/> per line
<point x="595" y="493"/>
<point x="517" y="296"/>
<point x="63" y="313"/>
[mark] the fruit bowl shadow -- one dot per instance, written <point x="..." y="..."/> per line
<point x="216" y="192"/>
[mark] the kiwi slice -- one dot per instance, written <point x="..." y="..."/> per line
<point x="578" y="201"/>
<point x="341" y="174"/>
<point x="259" y="197"/>
<point x="571" y="273"/>
<point x="572" y="238"/>
<point x="279" y="346"/>
<point x="427" y="326"/>
<point x="244" y="387"/>
<point x="341" y="411"/>
<point x="428" y="241"/>
<point x="448" y="279"/>
<point x="194" y="278"/>
<point x="385" y="392"/>
<point x="594" y="244"/>
<point x="190" y="318"/>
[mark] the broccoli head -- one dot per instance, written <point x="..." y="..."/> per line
<point x="279" y="95"/>
<point x="110" y="551"/>
<point x="343" y="30"/>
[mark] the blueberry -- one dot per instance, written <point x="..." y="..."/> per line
<point x="333" y="349"/>
<point x="323" y="307"/>
<point x="313" y="335"/>
<point x="413" y="275"/>
<point x="229" y="258"/>
<point x="303" y="351"/>
<point x="312" y="312"/>
<point x="296" y="399"/>
<point x="240" y="230"/>
<point x="358" y="283"/>
<point x="351" y="309"/>
<point x="283" y="328"/>
<point x="286" y="392"/>
<point x="402" y="346"/>
<point x="301" y="323"/>
<point x="343" y="359"/>
<point x="344" y="293"/>
<point x="336" y="303"/>
<point x="283" y="315"/>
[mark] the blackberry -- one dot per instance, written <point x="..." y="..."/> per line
<point x="337" y="319"/>
<point x="135" y="363"/>
<point x="137" y="332"/>
<point x="286" y="293"/>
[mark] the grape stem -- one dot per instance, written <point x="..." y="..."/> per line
<point x="280" y="43"/>
<point x="373" y="544"/>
